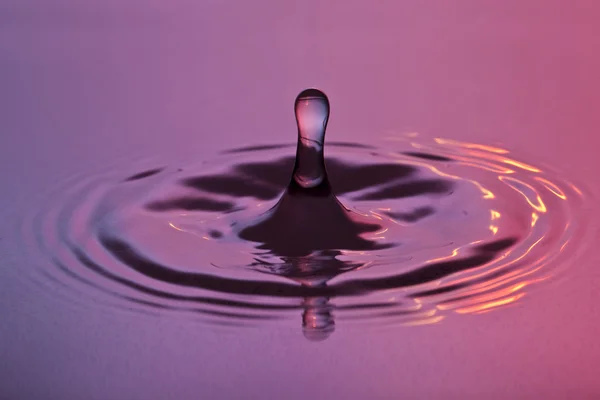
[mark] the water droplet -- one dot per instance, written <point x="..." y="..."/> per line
<point x="309" y="219"/>
<point x="312" y="113"/>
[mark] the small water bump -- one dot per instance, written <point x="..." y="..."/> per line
<point x="249" y="149"/>
<point x="232" y="185"/>
<point x="189" y="203"/>
<point x="427" y="156"/>
<point x="374" y="233"/>
<point x="419" y="187"/>
<point x="144" y="174"/>
<point x="215" y="234"/>
<point x="412" y="216"/>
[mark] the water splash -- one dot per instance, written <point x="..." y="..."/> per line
<point x="413" y="233"/>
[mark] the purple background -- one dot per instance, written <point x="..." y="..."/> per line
<point x="88" y="81"/>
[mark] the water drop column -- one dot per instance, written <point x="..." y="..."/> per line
<point x="312" y="113"/>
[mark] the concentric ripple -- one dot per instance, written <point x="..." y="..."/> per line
<point x="458" y="228"/>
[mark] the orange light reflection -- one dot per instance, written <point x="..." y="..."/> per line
<point x="552" y="187"/>
<point x="493" y="296"/>
<point x="501" y="280"/>
<point x="435" y="260"/>
<point x="491" y="304"/>
<point x="540" y="206"/>
<point x="467" y="145"/>
<point x="534" y="218"/>
<point x="426" y="321"/>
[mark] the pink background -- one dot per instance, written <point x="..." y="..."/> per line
<point x="89" y="81"/>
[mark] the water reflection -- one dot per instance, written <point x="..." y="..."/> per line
<point x="312" y="274"/>
<point x="317" y="319"/>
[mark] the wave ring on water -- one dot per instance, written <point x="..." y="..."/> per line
<point x="512" y="231"/>
<point x="416" y="231"/>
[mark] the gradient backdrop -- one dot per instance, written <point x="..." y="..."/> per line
<point x="88" y="81"/>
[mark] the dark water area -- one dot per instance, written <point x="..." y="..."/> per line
<point x="167" y="234"/>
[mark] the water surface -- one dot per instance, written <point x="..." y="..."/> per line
<point x="99" y="93"/>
